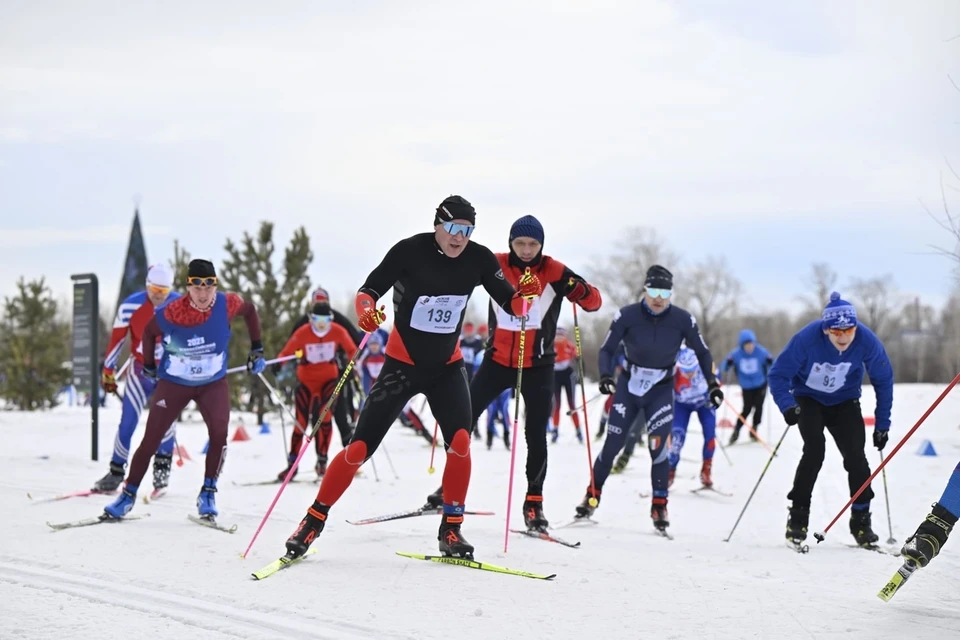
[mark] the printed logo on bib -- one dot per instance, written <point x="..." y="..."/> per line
<point x="826" y="377"/>
<point x="749" y="366"/>
<point x="438" y="314"/>
<point x="512" y="323"/>
<point x="195" y="368"/>
<point x="642" y="379"/>
<point x="321" y="352"/>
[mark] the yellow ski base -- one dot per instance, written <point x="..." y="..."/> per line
<point x="473" y="564"/>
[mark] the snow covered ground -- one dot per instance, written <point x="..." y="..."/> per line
<point x="165" y="577"/>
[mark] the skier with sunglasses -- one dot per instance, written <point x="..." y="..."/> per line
<point x="651" y="332"/>
<point x="816" y="383"/>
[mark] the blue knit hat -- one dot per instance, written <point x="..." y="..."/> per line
<point x="527" y="227"/>
<point x="839" y="314"/>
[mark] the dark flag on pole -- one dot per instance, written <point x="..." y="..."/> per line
<point x="135" y="266"/>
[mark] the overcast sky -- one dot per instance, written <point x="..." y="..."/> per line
<point x="774" y="133"/>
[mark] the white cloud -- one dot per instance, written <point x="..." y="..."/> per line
<point x="590" y="115"/>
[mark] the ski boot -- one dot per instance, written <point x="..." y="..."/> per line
<point x="584" y="509"/>
<point x="207" y="500"/>
<point x="671" y="476"/>
<point x="931" y="535"/>
<point x="307" y="531"/>
<point x="321" y="467"/>
<point x="110" y="482"/>
<point x="123" y="504"/>
<point x="579" y="435"/>
<point x="658" y="513"/>
<point x="734" y="437"/>
<point x="506" y="437"/>
<point x="491" y="434"/>
<point x="554" y="434"/>
<point x="533" y="516"/>
<point x="621" y="463"/>
<point x="452" y="542"/>
<point x="601" y="431"/>
<point x="291" y="458"/>
<point x="797" y="523"/>
<point x="705" y="477"/>
<point x="434" y="500"/>
<point x="860" y="527"/>
<point x="161" y="471"/>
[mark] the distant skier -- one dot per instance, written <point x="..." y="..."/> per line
<point x="132" y="317"/>
<point x="690" y="392"/>
<point x="751" y="361"/>
<point x="565" y="379"/>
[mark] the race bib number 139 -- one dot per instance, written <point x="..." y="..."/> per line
<point x="438" y="314"/>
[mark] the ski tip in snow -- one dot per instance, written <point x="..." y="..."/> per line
<point x="211" y="523"/>
<point x="278" y="564"/>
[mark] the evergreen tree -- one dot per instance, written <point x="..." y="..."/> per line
<point x="249" y="270"/>
<point x="33" y="348"/>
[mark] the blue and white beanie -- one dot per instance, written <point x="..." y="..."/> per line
<point x="839" y="314"/>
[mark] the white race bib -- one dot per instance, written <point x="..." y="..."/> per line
<point x="438" y="314"/>
<point x="468" y="354"/>
<point x="749" y="366"/>
<point x="374" y="369"/>
<point x="321" y="352"/>
<point x="512" y="323"/>
<point x="195" y="367"/>
<point x="642" y="379"/>
<point x="826" y="377"/>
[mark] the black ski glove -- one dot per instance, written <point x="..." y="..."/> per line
<point x="880" y="437"/>
<point x="792" y="415"/>
<point x="715" y="394"/>
<point x="607" y="385"/>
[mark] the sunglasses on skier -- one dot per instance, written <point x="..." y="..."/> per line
<point x="320" y="319"/>
<point x="196" y="281"/>
<point x="157" y="289"/>
<point x="843" y="332"/>
<point x="453" y="228"/>
<point x="663" y="294"/>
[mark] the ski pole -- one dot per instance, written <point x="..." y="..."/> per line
<point x="723" y="449"/>
<point x="389" y="461"/>
<point x="283" y="407"/>
<point x="243" y="367"/>
<point x="583" y="399"/>
<point x="433" y="447"/>
<point x="306" y="441"/>
<point x="374" y="465"/>
<point x="584" y="404"/>
<point x="747" y="425"/>
<point x="763" y="473"/>
<point x="886" y="496"/>
<point x="176" y="446"/>
<point x="516" y="419"/>
<point x="820" y="536"/>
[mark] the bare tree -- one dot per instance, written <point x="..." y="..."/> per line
<point x="712" y="293"/>
<point x="822" y="280"/>
<point x="875" y="300"/>
<point x="621" y="274"/>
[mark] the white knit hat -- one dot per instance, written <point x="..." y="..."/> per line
<point x="160" y="275"/>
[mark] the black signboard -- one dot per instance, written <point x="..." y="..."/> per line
<point x="86" y="351"/>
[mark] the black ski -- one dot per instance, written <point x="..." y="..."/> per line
<point x="705" y="489"/>
<point x="430" y="511"/>
<point x="543" y="535"/>
<point x="103" y="517"/>
<point x="211" y="523"/>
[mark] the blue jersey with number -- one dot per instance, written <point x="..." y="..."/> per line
<point x="195" y="356"/>
<point x="810" y="366"/>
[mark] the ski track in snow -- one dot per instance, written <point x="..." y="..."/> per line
<point x="166" y="577"/>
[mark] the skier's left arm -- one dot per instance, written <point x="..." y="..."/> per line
<point x="880" y="371"/>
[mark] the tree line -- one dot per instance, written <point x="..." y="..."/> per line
<point x="923" y="342"/>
